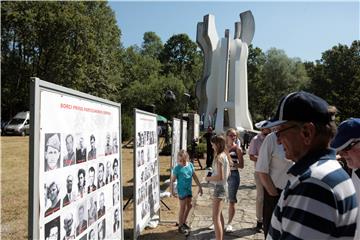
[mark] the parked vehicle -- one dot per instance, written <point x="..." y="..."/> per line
<point x="18" y="125"/>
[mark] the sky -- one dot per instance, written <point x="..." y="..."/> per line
<point x="302" y="29"/>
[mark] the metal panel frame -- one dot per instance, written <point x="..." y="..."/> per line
<point x="138" y="111"/>
<point x="36" y="85"/>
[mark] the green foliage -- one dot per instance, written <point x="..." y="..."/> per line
<point x="336" y="78"/>
<point x="271" y="76"/>
<point x="152" y="45"/>
<point x="127" y="126"/>
<point x="73" y="44"/>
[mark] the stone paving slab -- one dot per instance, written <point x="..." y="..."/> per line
<point x="244" y="220"/>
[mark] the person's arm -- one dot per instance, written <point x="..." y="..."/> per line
<point x="267" y="183"/>
<point x="240" y="157"/>
<point x="198" y="183"/>
<point x="219" y="170"/>
<point x="253" y="158"/>
<point x="172" y="180"/>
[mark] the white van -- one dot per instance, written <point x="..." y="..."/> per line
<point x="19" y="124"/>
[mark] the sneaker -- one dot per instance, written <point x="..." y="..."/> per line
<point x="259" y="226"/>
<point x="211" y="227"/>
<point x="186" y="226"/>
<point x="183" y="230"/>
<point x="228" y="228"/>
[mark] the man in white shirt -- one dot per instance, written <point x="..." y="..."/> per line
<point x="271" y="167"/>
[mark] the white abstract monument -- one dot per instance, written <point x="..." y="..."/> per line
<point x="223" y="89"/>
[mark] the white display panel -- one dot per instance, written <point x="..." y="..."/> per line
<point x="78" y="161"/>
<point x="175" y="146"/>
<point x="146" y="170"/>
<point x="184" y="135"/>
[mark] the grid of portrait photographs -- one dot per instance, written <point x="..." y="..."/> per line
<point x="175" y="146"/>
<point x="80" y="177"/>
<point x="147" y="198"/>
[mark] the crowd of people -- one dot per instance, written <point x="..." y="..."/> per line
<point x="303" y="190"/>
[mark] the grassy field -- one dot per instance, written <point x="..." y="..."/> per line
<point x="14" y="193"/>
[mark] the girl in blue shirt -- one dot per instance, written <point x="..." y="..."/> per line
<point x="183" y="174"/>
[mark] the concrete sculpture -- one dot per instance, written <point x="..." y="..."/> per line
<point x="223" y="90"/>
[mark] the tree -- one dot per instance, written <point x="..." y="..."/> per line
<point x="182" y="58"/>
<point x="336" y="78"/>
<point x="275" y="76"/>
<point x="152" y="45"/>
<point x="73" y="44"/>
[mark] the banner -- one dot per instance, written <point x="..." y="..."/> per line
<point x="184" y="135"/>
<point x="78" y="166"/>
<point x="175" y="141"/>
<point x="146" y="170"/>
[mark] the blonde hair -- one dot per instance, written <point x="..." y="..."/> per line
<point x="182" y="154"/>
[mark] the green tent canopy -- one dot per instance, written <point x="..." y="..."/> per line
<point x="160" y="118"/>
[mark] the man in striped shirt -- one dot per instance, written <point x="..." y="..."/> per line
<point x="319" y="200"/>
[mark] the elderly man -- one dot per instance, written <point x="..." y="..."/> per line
<point x="70" y="195"/>
<point x="254" y="150"/>
<point x="319" y="200"/>
<point x="347" y="144"/>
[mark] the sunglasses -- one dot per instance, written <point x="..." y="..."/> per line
<point x="350" y="146"/>
<point x="278" y="132"/>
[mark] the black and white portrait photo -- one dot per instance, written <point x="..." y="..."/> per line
<point x="81" y="221"/>
<point x="108" y="177"/>
<point x="115" y="169"/>
<point x="91" y="177"/>
<point x="92" y="211"/>
<point x="69" y="158"/>
<point x="101" y="230"/>
<point x="52" y="151"/>
<point x="116" y="224"/>
<point x="81" y="182"/>
<point x="69" y="226"/>
<point x="70" y="195"/>
<point x="92" y="152"/>
<point x="52" y="229"/>
<point x="116" y="193"/>
<point x="102" y="208"/>
<point x="52" y="194"/>
<point x="101" y="175"/>
<point x="108" y="147"/>
<point x="80" y="151"/>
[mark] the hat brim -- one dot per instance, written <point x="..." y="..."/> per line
<point x="339" y="143"/>
<point x="272" y="124"/>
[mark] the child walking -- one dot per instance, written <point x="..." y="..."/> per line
<point x="183" y="174"/>
<point x="219" y="178"/>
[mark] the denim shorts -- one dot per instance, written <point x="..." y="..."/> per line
<point x="220" y="191"/>
<point x="233" y="185"/>
<point x="184" y="197"/>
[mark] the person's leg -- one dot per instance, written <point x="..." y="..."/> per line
<point x="259" y="201"/>
<point x="218" y="219"/>
<point x="188" y="206"/>
<point x="231" y="212"/>
<point x="181" y="211"/>
<point x="233" y="186"/>
<point x="269" y="206"/>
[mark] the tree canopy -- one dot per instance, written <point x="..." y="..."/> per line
<point x="78" y="45"/>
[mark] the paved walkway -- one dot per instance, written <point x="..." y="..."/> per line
<point x="244" y="220"/>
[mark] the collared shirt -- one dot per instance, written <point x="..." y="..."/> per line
<point x="355" y="177"/>
<point x="255" y="145"/>
<point x="271" y="160"/>
<point x="318" y="202"/>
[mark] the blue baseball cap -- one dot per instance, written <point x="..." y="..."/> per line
<point x="347" y="132"/>
<point x="301" y="107"/>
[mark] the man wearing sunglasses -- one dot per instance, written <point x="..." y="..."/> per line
<point x="347" y="144"/>
<point x="319" y="200"/>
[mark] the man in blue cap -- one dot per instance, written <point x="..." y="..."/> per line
<point x="319" y="200"/>
<point x="347" y="144"/>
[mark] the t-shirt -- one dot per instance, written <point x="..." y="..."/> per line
<point x="184" y="175"/>
<point x="271" y="160"/>
<point x="222" y="158"/>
